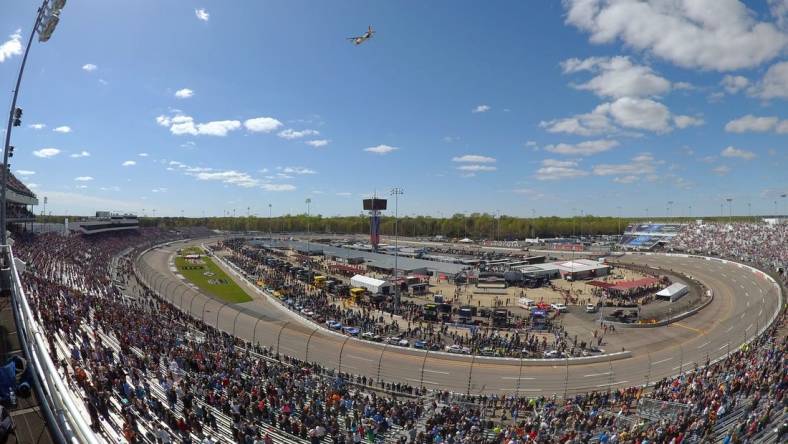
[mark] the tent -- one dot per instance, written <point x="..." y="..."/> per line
<point x="673" y="292"/>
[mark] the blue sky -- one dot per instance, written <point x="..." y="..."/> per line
<point x="560" y="107"/>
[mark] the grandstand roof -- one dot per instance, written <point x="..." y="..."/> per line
<point x="17" y="186"/>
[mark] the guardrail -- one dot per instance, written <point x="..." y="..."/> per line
<point x="62" y="412"/>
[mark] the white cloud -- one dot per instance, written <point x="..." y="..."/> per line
<point x="81" y="187"/>
<point x="553" y="169"/>
<point x="184" y="93"/>
<point x="782" y="128"/>
<point x="129" y="163"/>
<point x="25" y="172"/>
<point x="586" y="148"/>
<point x="262" y="124"/>
<point x="32" y="185"/>
<point x="734" y="84"/>
<point x="722" y="35"/>
<point x="640" y="165"/>
<point x="317" y="143"/>
<point x="735" y="152"/>
<point x="481" y="109"/>
<point x="617" y="77"/>
<point x="344" y="194"/>
<point x="181" y="124"/>
<point x="89" y="67"/>
<point x="687" y="121"/>
<point x="159" y="190"/>
<point x="473" y="158"/>
<point x="381" y="149"/>
<point x="230" y="177"/>
<point x="37" y="126"/>
<point x="46" y="152"/>
<point x="143" y="154"/>
<point x="476" y="168"/>
<point x="589" y="124"/>
<point x="83" y="179"/>
<point x="202" y="14"/>
<point x="62" y="129"/>
<point x="82" y="153"/>
<point x="751" y="123"/>
<point x="11" y="47"/>
<point x="721" y="170"/>
<point x="277" y="187"/>
<point x="626" y="179"/>
<point x="298" y="170"/>
<point x="626" y="112"/>
<point x="291" y="134"/>
<point x="641" y="114"/>
<point x="774" y="84"/>
<point x="779" y="10"/>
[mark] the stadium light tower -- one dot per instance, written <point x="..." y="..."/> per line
<point x="730" y="208"/>
<point x="396" y="192"/>
<point x="47" y="18"/>
<point x="308" y="248"/>
<point x="270" y="222"/>
<point x="782" y="196"/>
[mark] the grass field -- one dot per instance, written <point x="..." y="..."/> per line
<point x="217" y="284"/>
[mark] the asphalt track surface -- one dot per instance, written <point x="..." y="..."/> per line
<point x="744" y="302"/>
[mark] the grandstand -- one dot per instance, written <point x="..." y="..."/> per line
<point x="648" y="236"/>
<point x="20" y="198"/>
<point x="105" y="221"/>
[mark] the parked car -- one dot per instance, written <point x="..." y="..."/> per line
<point x="559" y="307"/>
<point x="420" y="344"/>
<point x="334" y="325"/>
<point x="403" y="343"/>
<point x="352" y="331"/>
<point x="554" y="354"/>
<point x="591" y="308"/>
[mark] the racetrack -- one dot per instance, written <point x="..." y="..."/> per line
<point x="744" y="301"/>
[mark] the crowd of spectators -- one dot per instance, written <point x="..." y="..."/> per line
<point x="763" y="244"/>
<point x="112" y="345"/>
<point x="70" y="283"/>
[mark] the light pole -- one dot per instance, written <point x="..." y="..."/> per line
<point x="396" y="192"/>
<point x="730" y="208"/>
<point x="270" y="222"/>
<point x="308" y="257"/>
<point x="619" y="218"/>
<point x="670" y="207"/>
<point x="47" y="19"/>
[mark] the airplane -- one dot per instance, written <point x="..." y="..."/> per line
<point x="362" y="38"/>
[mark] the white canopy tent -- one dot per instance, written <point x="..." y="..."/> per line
<point x="673" y="292"/>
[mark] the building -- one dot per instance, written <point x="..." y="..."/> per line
<point x="106" y="221"/>
<point x="538" y="271"/>
<point x="582" y="269"/>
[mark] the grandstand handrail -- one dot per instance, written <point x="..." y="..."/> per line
<point x="65" y="417"/>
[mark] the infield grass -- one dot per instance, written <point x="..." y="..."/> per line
<point x="215" y="282"/>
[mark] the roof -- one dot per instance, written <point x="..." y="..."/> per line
<point x="378" y="260"/>
<point x="580" y="265"/>
<point x="17" y="186"/>
<point x="672" y="290"/>
<point x="366" y="280"/>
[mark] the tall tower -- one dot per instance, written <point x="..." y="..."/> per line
<point x="374" y="206"/>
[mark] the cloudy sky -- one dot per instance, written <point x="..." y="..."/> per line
<point x="556" y="107"/>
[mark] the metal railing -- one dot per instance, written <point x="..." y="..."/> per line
<point x="61" y="410"/>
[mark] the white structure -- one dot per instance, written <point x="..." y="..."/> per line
<point x="372" y="285"/>
<point x="673" y="292"/>
<point x="582" y="269"/>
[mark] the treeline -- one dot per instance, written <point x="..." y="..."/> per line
<point x="475" y="226"/>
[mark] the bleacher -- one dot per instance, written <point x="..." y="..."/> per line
<point x="648" y="236"/>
